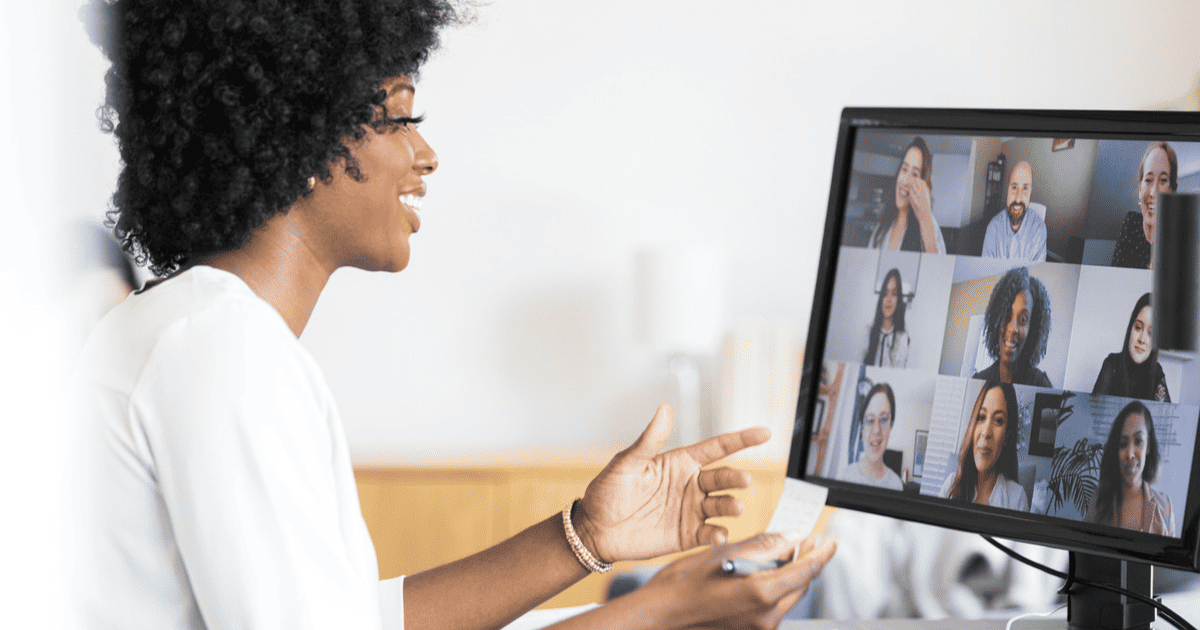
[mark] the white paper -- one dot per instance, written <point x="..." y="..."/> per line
<point x="799" y="507"/>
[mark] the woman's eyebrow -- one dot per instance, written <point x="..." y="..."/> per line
<point x="402" y="85"/>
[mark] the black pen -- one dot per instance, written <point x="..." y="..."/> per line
<point x="745" y="566"/>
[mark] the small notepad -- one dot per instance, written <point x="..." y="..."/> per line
<point x="799" y="507"/>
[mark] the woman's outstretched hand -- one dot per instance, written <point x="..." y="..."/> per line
<point x="759" y="600"/>
<point x="647" y="503"/>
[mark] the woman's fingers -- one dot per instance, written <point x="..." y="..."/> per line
<point x="721" y="505"/>
<point x="796" y="576"/>
<point x="709" y="534"/>
<point x="724" y="478"/>
<point x="726" y="444"/>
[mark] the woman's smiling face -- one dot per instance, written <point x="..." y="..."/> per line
<point x="991" y="425"/>
<point x="367" y="224"/>
<point x="891" y="294"/>
<point x="910" y="168"/>
<point x="1156" y="180"/>
<point x="1133" y="449"/>
<point x="1012" y="338"/>
<point x="877" y="427"/>
<point x="1140" y="340"/>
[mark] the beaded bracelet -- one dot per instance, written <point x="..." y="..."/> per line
<point x="585" y="557"/>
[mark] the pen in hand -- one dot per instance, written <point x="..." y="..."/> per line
<point x="745" y="566"/>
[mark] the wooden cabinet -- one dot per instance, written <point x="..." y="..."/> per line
<point x="422" y="514"/>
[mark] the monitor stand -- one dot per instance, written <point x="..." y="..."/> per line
<point x="1094" y="608"/>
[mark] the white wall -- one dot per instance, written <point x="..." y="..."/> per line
<point x="571" y="135"/>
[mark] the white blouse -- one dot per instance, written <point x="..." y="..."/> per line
<point x="217" y="488"/>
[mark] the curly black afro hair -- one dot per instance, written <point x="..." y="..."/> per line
<point x="223" y="109"/>
<point x="999" y="312"/>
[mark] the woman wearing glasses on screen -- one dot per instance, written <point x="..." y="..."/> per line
<point x="875" y="420"/>
<point x="1134" y="372"/>
<point x="1158" y="174"/>
<point x="1128" y="466"/>
<point x="887" y="341"/>
<point x="987" y="461"/>
<point x="1016" y="327"/>
<point x="908" y="223"/>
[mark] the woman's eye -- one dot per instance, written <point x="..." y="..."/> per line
<point x="405" y="121"/>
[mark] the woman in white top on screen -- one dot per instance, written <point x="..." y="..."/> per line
<point x="264" y="146"/>
<point x="987" y="461"/>
<point x="908" y="223"/>
<point x="887" y="341"/>
<point x="875" y="421"/>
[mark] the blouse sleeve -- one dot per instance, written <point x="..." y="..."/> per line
<point x="244" y="452"/>
<point x="900" y="352"/>
<point x="1161" y="393"/>
<point x="937" y="233"/>
<point x="1104" y="379"/>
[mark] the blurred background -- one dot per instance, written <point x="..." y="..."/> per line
<point x="628" y="210"/>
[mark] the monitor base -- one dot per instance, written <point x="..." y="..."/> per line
<point x="1098" y="609"/>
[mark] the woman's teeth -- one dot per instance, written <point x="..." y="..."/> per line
<point x="412" y="201"/>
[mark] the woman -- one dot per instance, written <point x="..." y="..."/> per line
<point x="908" y="223"/>
<point x="987" y="461"/>
<point x="265" y="145"/>
<point x="875" y="420"/>
<point x="1134" y="372"/>
<point x="1128" y="465"/>
<point x="887" y="341"/>
<point x="1158" y="174"/>
<point x="1016" y="327"/>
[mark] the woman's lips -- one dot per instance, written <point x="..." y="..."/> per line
<point x="413" y="204"/>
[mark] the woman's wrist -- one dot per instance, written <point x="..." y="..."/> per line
<point x="587" y="535"/>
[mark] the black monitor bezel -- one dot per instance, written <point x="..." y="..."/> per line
<point x="1183" y="552"/>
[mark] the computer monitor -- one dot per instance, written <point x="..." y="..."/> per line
<point x="983" y="315"/>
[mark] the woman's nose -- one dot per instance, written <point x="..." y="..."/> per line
<point x="425" y="161"/>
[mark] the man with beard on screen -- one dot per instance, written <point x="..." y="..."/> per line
<point x="1015" y="233"/>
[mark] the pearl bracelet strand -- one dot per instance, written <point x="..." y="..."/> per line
<point x="585" y="557"/>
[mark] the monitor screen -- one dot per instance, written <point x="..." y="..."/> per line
<point x="981" y="353"/>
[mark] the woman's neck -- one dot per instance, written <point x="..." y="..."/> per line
<point x="279" y="267"/>
<point x="887" y="325"/>
<point x="984" y="487"/>
<point x="872" y="470"/>
<point x="1006" y="370"/>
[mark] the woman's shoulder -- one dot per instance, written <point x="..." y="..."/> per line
<point x="1013" y="494"/>
<point x="989" y="373"/>
<point x="1162" y="512"/>
<point x="947" y="485"/>
<point x="1133" y="219"/>
<point x="1035" y="377"/>
<point x="891" y="480"/>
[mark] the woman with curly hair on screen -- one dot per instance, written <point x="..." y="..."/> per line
<point x="1128" y="465"/>
<point x="1016" y="327"/>
<point x="264" y="145"/>
<point x="987" y="461"/>
<point x="1134" y="372"/>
